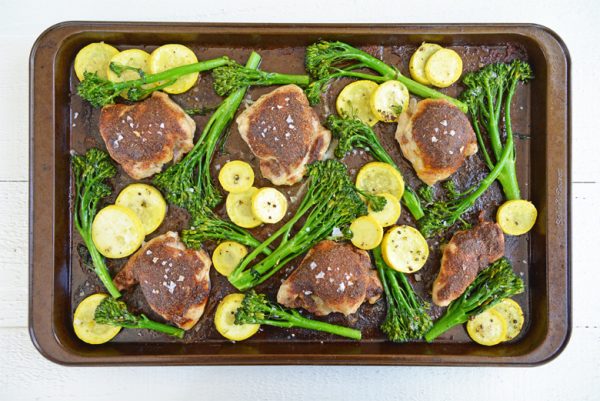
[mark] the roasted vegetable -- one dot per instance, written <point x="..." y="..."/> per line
<point x="90" y="171"/>
<point x="353" y="133"/>
<point x="494" y="283"/>
<point x="257" y="309"/>
<point x="489" y="94"/>
<point x="406" y="318"/>
<point x="171" y="56"/>
<point x="113" y="312"/>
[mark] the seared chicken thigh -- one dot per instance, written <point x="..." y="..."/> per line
<point x="463" y="257"/>
<point x="436" y="137"/>
<point x="284" y="132"/>
<point x="145" y="136"/>
<point x="174" y="279"/>
<point x="333" y="277"/>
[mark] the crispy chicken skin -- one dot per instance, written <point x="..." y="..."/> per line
<point x="436" y="137"/>
<point x="175" y="280"/>
<point x="284" y="132"/>
<point x="463" y="257"/>
<point x="333" y="277"/>
<point x="144" y="136"/>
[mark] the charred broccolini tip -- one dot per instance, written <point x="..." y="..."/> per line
<point x="352" y="134"/>
<point x="489" y="92"/>
<point x="257" y="309"/>
<point x="324" y="58"/>
<point x="493" y="284"/>
<point x="406" y="317"/>
<point x="100" y="92"/>
<point x="113" y="312"/>
<point x="90" y="172"/>
<point x="331" y="200"/>
<point x="188" y="184"/>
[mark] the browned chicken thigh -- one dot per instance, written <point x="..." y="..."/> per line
<point x="284" y="132"/>
<point x="463" y="257"/>
<point x="333" y="277"/>
<point x="436" y="137"/>
<point x="175" y="280"/>
<point x="144" y="136"/>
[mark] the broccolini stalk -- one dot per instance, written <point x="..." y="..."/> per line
<point x="406" y="318"/>
<point x="323" y="58"/>
<point x="494" y="283"/>
<point x="331" y="200"/>
<point x="257" y="309"/>
<point x="100" y="92"/>
<point x="440" y="215"/>
<point x="90" y="171"/>
<point x="489" y="89"/>
<point x="188" y="184"/>
<point x="232" y="77"/>
<point x="113" y="312"/>
<point x="208" y="226"/>
<point x="353" y="133"/>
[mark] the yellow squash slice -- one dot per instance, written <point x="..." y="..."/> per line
<point x="418" y="60"/>
<point x="389" y="100"/>
<point x="135" y="58"/>
<point x="95" y="57"/>
<point x="516" y="217"/>
<point x="239" y="208"/>
<point x="171" y="56"/>
<point x="513" y="314"/>
<point x="404" y="249"/>
<point x="377" y="177"/>
<point x="236" y="176"/>
<point x="354" y="101"/>
<point x="227" y="256"/>
<point x="146" y="202"/>
<point x="390" y="213"/>
<point x="86" y="327"/>
<point x="366" y="232"/>
<point x="487" y="328"/>
<point x="117" y="231"/>
<point x="269" y="205"/>
<point x="225" y="319"/>
<point x="443" y="68"/>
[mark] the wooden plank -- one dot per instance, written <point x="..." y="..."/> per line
<point x="26" y="375"/>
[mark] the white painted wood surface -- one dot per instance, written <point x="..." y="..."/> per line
<point x="26" y="375"/>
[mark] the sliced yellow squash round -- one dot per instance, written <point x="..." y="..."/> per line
<point x="443" y="68"/>
<point x="239" y="208"/>
<point x="225" y="319"/>
<point x="404" y="249"/>
<point x="146" y="202"/>
<point x="513" y="314"/>
<point x="135" y="58"/>
<point x="227" y="256"/>
<point x="418" y="60"/>
<point x="390" y="213"/>
<point x="117" y="231"/>
<point x="487" y="328"/>
<point x="516" y="217"/>
<point x="236" y="176"/>
<point x="269" y="205"/>
<point x="86" y="327"/>
<point x="377" y="178"/>
<point x="171" y="56"/>
<point x="354" y="101"/>
<point x="95" y="57"/>
<point x="389" y="100"/>
<point x="366" y="232"/>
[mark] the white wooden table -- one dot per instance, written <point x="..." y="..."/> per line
<point x="26" y="375"/>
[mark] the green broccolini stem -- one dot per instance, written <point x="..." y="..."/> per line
<point x="257" y="309"/>
<point x="232" y="77"/>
